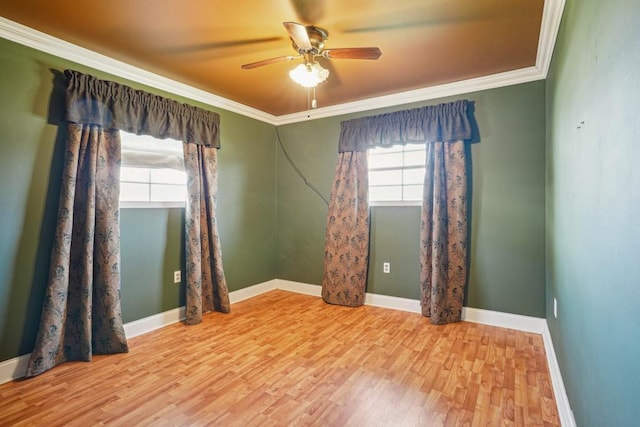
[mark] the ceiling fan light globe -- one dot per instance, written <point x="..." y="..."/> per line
<point x="309" y="75"/>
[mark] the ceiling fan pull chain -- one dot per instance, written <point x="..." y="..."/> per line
<point x="314" y="103"/>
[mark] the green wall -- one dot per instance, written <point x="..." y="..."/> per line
<point x="593" y="200"/>
<point x="31" y="155"/>
<point x="397" y="245"/>
<point x="247" y="200"/>
<point x="507" y="261"/>
<point x="152" y="244"/>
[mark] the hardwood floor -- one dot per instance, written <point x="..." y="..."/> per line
<point x="288" y="359"/>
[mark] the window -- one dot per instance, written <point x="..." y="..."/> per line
<point x="152" y="172"/>
<point x="396" y="174"/>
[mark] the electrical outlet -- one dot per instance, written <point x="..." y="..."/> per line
<point x="386" y="267"/>
<point x="177" y="276"/>
<point x="555" y="308"/>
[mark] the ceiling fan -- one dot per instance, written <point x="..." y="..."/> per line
<point x="308" y="41"/>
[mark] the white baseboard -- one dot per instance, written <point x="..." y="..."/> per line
<point x="518" y="322"/>
<point x="15" y="368"/>
<point x="469" y="314"/>
<point x="396" y="303"/>
<point x="151" y="323"/>
<point x="562" y="400"/>
<point x="375" y="300"/>
<point x="252" y="291"/>
<point x="299" y="288"/>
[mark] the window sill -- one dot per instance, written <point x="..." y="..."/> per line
<point x="397" y="203"/>
<point x="151" y="205"/>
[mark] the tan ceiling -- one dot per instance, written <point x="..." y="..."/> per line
<point x="203" y="43"/>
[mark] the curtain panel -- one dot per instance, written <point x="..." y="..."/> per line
<point x="444" y="245"/>
<point x="346" y="253"/>
<point x="444" y="239"/>
<point x="81" y="313"/>
<point x="205" y="280"/>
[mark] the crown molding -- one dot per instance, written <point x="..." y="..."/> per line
<point x="551" y="17"/>
<point x="492" y="81"/>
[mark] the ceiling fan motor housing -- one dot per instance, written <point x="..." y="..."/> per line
<point x="317" y="37"/>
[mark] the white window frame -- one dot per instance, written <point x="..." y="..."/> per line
<point x="130" y="204"/>
<point x="152" y="160"/>
<point x="401" y="168"/>
<point x="395" y="203"/>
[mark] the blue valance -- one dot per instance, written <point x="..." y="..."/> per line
<point x="113" y="105"/>
<point x="443" y="122"/>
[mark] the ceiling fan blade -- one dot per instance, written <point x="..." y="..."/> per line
<point x="268" y="62"/>
<point x="352" y="53"/>
<point x="309" y="11"/>
<point x="298" y="33"/>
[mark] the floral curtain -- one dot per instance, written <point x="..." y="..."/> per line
<point x="445" y="128"/>
<point x="206" y="284"/>
<point x="81" y="312"/>
<point x="346" y="255"/>
<point x="444" y="244"/>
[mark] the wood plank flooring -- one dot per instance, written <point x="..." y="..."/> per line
<point x="284" y="359"/>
